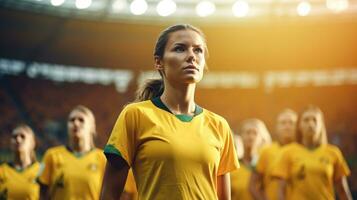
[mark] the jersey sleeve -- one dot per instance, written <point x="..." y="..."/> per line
<point x="340" y="167"/>
<point x="122" y="139"/>
<point x="281" y="168"/>
<point x="46" y="169"/>
<point x="229" y="159"/>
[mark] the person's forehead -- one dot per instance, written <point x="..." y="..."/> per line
<point x="76" y="113"/>
<point x="19" y="131"/>
<point x="286" y="116"/>
<point x="186" y="37"/>
<point x="250" y="126"/>
<point x="311" y="113"/>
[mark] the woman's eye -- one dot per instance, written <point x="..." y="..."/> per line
<point x="198" y="50"/>
<point x="179" y="49"/>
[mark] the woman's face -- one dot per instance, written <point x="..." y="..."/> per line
<point x="286" y="126"/>
<point x="22" y="140"/>
<point x="79" y="125"/>
<point x="184" y="57"/>
<point x="311" y="124"/>
<point x="249" y="135"/>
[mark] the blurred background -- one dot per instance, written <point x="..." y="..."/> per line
<point x="265" y="55"/>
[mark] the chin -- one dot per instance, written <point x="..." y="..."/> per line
<point x="192" y="79"/>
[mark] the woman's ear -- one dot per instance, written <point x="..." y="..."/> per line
<point x="158" y="63"/>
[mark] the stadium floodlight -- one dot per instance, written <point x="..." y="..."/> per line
<point x="205" y="8"/>
<point x="83" y="4"/>
<point x="57" y="2"/>
<point x="303" y="8"/>
<point x="138" y="7"/>
<point x="166" y="7"/>
<point x="337" y="5"/>
<point x="240" y="8"/>
<point x="119" y="5"/>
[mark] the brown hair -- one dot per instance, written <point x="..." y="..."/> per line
<point x="323" y="134"/>
<point x="29" y="130"/>
<point x="85" y="110"/>
<point x="155" y="87"/>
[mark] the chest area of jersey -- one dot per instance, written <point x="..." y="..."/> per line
<point x="84" y="168"/>
<point x="312" y="165"/>
<point x="185" y="143"/>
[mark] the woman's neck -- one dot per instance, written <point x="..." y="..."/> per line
<point x="180" y="100"/>
<point x="22" y="160"/>
<point x="247" y="157"/>
<point x="309" y="142"/>
<point x="79" y="145"/>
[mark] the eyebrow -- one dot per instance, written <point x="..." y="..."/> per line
<point x="184" y="44"/>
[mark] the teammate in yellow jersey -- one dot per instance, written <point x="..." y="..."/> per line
<point x="177" y="150"/>
<point x="74" y="172"/>
<point x="254" y="136"/>
<point x="18" y="178"/>
<point x="312" y="168"/>
<point x="263" y="186"/>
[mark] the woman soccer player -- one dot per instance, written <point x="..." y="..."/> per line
<point x="18" y="178"/>
<point x="263" y="186"/>
<point x="312" y="168"/>
<point x="177" y="149"/>
<point x="254" y="136"/>
<point x="74" y="171"/>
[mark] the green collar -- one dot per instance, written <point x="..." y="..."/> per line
<point x="78" y="154"/>
<point x="185" y="118"/>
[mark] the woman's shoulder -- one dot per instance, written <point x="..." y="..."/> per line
<point x="333" y="149"/>
<point x="292" y="147"/>
<point x="214" y="116"/>
<point x="138" y="106"/>
<point x="55" y="150"/>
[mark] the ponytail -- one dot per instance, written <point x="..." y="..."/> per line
<point x="150" y="89"/>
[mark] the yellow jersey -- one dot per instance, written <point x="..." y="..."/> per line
<point x="265" y="165"/>
<point x="73" y="177"/>
<point x="240" y="183"/>
<point x="311" y="173"/>
<point x="173" y="157"/>
<point x="19" y="185"/>
<point x="130" y="186"/>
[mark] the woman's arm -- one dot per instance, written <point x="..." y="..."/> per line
<point x="224" y="187"/>
<point x="342" y="189"/>
<point x="43" y="191"/>
<point x="255" y="186"/>
<point x="282" y="184"/>
<point x="114" y="179"/>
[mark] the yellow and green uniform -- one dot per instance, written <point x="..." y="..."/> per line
<point x="265" y="165"/>
<point x="19" y="185"/>
<point x="240" y="183"/>
<point x="311" y="173"/>
<point x="73" y="177"/>
<point x="130" y="186"/>
<point x="173" y="156"/>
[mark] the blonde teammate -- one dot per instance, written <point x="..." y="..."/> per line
<point x="263" y="185"/>
<point x="75" y="171"/>
<point x="312" y="168"/>
<point x="254" y="136"/>
<point x="177" y="150"/>
<point x="18" y="178"/>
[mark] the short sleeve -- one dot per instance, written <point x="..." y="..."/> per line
<point x="122" y="139"/>
<point x="281" y="167"/>
<point x="340" y="167"/>
<point x="229" y="160"/>
<point x="46" y="169"/>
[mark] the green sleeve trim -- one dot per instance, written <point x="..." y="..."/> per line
<point x="110" y="149"/>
